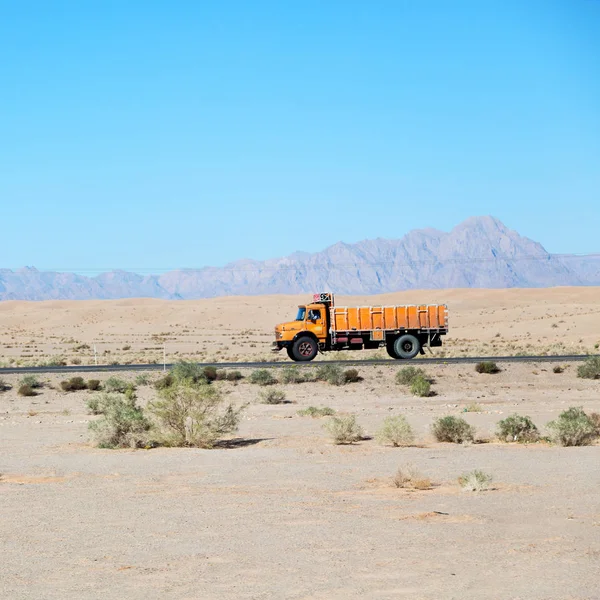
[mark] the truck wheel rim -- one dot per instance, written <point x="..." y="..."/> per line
<point x="305" y="348"/>
<point x="407" y="347"/>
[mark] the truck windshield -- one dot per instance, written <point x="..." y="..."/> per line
<point x="301" y="313"/>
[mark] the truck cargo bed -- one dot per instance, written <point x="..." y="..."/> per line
<point x="424" y="317"/>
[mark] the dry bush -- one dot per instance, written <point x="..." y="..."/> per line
<point x="142" y="379"/>
<point x="4" y="386"/>
<point x="473" y="407"/>
<point x="194" y="415"/>
<point x="407" y="375"/>
<point x="487" y="366"/>
<point x="114" y="384"/>
<point x="573" y="428"/>
<point x="210" y="373"/>
<point x="332" y="374"/>
<point x="595" y="419"/>
<point x="55" y="361"/>
<point x="396" y="431"/>
<point x="590" y="369"/>
<point x="31" y="381"/>
<point x="234" y="376"/>
<point x="93" y="385"/>
<point x="262" y="377"/>
<point x="409" y="477"/>
<point x="453" y="429"/>
<point x="26" y="390"/>
<point x="344" y="430"/>
<point x="558" y="370"/>
<point x="122" y="425"/>
<point x="475" y="481"/>
<point x="315" y="412"/>
<point x="517" y="428"/>
<point x="73" y="385"/>
<point x="188" y="371"/>
<point x="351" y="376"/>
<point x="272" y="396"/>
<point x="420" y="387"/>
<point x="293" y="375"/>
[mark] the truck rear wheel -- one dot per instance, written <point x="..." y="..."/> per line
<point x="407" y="346"/>
<point x="304" y="349"/>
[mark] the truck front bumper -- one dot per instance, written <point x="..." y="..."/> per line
<point x="279" y="345"/>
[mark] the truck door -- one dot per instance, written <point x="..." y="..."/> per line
<point x="317" y="321"/>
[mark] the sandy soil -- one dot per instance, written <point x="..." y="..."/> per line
<point x="482" y="323"/>
<point x="284" y="513"/>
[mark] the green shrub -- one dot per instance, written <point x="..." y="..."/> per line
<point x="74" y="384"/>
<point x="595" y="419"/>
<point x="26" y="390"/>
<point x="164" y="382"/>
<point x="187" y="371"/>
<point x="123" y="423"/>
<point x="351" y="376"/>
<point x="344" y="430"/>
<point x="475" y="481"/>
<point x="97" y="403"/>
<point x="487" y="366"/>
<point x="93" y="385"/>
<point x="517" y="428"/>
<point x="590" y="369"/>
<point x="573" y="428"/>
<point x="31" y="381"/>
<point x="292" y="375"/>
<point x="420" y="387"/>
<point x="234" y="376"/>
<point x="114" y="384"/>
<point x="262" y="377"/>
<point x="396" y="431"/>
<point x="55" y="361"/>
<point x="315" y="412"/>
<point x="407" y="375"/>
<point x="142" y="379"/>
<point x="452" y="429"/>
<point x="331" y="374"/>
<point x="272" y="396"/>
<point x="194" y="415"/>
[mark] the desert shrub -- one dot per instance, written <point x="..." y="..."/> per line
<point x="164" y="382"/>
<point x="452" y="429"/>
<point x="4" y="386"/>
<point x="396" y="431"/>
<point x="114" y="384"/>
<point x="194" y="415"/>
<point x="262" y="377"/>
<point x="407" y="375"/>
<point x="332" y="374"/>
<point x="74" y="384"/>
<point x="517" y="428"/>
<point x="487" y="366"/>
<point x="272" y="396"/>
<point x="557" y="370"/>
<point x="420" y="387"/>
<point x="573" y="428"/>
<point x="234" y="375"/>
<point x="96" y="403"/>
<point x="93" y="385"/>
<point x="26" y="390"/>
<point x="590" y="369"/>
<point x="475" y="481"/>
<point x="210" y="373"/>
<point x="55" y="361"/>
<point x="595" y="419"/>
<point x="344" y="430"/>
<point x="76" y="361"/>
<point x="292" y="375"/>
<point x="409" y="477"/>
<point x="123" y="423"/>
<point x="473" y="407"/>
<point x="188" y="371"/>
<point x="31" y="381"/>
<point x="315" y="411"/>
<point x="142" y="379"/>
<point x="351" y="376"/>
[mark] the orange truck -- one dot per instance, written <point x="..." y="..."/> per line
<point x="321" y="327"/>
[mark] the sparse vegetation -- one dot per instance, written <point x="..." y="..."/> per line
<point x="193" y="415"/>
<point x="595" y="419"/>
<point x="344" y="430"/>
<point x="331" y="374"/>
<point x="558" y="369"/>
<point x="114" y="384"/>
<point x="396" y="431"/>
<point x="453" y="429"/>
<point x="315" y="412"/>
<point x="210" y="373"/>
<point x="262" y="377"/>
<point x="123" y="423"/>
<point x="26" y="390"/>
<point x="590" y="369"/>
<point x="31" y="381"/>
<point x="73" y="385"/>
<point x="234" y="376"/>
<point x="93" y="385"/>
<point x="272" y="396"/>
<point x="487" y="366"/>
<point x="351" y="376"/>
<point x="142" y="379"/>
<point x="473" y="407"/>
<point x="420" y="387"/>
<point x="186" y="371"/>
<point x="293" y="375"/>
<point x="408" y="477"/>
<point x="407" y="375"/>
<point x="517" y="428"/>
<point x="573" y="427"/>
<point x="4" y="386"/>
<point x="55" y="361"/>
<point x="475" y="481"/>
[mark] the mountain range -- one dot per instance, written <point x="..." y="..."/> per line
<point x="481" y="252"/>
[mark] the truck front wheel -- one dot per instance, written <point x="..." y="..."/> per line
<point x="407" y="346"/>
<point x="304" y="349"/>
<point x="390" y="350"/>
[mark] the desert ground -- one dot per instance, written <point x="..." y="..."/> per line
<point x="482" y="323"/>
<point x="278" y="510"/>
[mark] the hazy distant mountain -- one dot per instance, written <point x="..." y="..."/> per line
<point x="480" y="252"/>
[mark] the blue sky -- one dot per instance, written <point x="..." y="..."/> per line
<point x="154" y="135"/>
